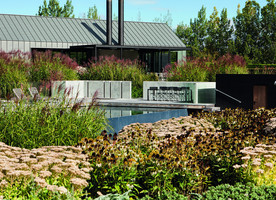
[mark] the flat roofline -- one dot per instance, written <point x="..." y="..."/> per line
<point x="130" y="47"/>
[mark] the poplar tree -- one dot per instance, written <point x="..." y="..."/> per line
<point x="248" y="29"/>
<point x="268" y="32"/>
<point x="194" y="35"/>
<point x="93" y="13"/>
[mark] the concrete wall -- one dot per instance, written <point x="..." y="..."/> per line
<point x="86" y="89"/>
<point x="202" y="92"/>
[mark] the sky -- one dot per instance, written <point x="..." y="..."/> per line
<point x="181" y="11"/>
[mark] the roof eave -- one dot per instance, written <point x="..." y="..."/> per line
<point x="131" y="47"/>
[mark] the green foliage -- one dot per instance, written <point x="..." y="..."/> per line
<point x="144" y="163"/>
<point x="194" y="35"/>
<point x="93" y="13"/>
<point x="42" y="123"/>
<point x="247" y="33"/>
<point x="252" y="35"/>
<point x="114" y="197"/>
<point x="17" y="69"/>
<point x="240" y="191"/>
<point x="262" y="68"/>
<point x="13" y="72"/>
<point x="47" y="67"/>
<point x="205" y="68"/>
<point x="30" y="190"/>
<point x="268" y="24"/>
<point x="111" y="68"/>
<point x="53" y="9"/>
<point x="172" y="195"/>
<point x="219" y="33"/>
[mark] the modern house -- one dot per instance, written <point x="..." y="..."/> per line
<point x="82" y="39"/>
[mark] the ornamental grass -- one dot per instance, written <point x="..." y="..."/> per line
<point x="35" y="123"/>
<point x="205" y="68"/>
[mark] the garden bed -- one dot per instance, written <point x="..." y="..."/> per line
<point x="229" y="154"/>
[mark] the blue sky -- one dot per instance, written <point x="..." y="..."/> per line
<point x="145" y="10"/>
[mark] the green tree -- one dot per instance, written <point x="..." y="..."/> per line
<point x="248" y="28"/>
<point x="225" y="33"/>
<point x="93" y="13"/>
<point x="211" y="41"/>
<point x="268" y="32"/>
<point x="53" y="9"/>
<point x="194" y="36"/>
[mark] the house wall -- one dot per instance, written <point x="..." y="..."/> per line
<point x="240" y="87"/>
<point x="26" y="46"/>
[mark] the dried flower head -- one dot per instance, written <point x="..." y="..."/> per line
<point x="236" y="166"/>
<point x="269" y="165"/>
<point x="78" y="182"/>
<point x="261" y="171"/>
<point x="40" y="182"/>
<point x="45" y="174"/>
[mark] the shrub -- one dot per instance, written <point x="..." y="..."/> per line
<point x="240" y="191"/>
<point x="42" y="123"/>
<point x="114" y="69"/>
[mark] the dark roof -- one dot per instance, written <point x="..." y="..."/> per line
<point x="84" y="31"/>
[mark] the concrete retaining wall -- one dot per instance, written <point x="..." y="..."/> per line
<point x="202" y="92"/>
<point x="86" y="89"/>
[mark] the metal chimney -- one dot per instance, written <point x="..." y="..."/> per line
<point x="109" y="22"/>
<point x="121" y="22"/>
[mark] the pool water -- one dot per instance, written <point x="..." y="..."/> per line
<point x="112" y="112"/>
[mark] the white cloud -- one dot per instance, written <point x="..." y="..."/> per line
<point x="142" y="2"/>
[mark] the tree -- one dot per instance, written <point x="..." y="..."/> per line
<point x="247" y="33"/>
<point x="268" y="32"/>
<point x="194" y="36"/>
<point x="53" y="9"/>
<point x="211" y="42"/>
<point x="225" y="33"/>
<point x="93" y="13"/>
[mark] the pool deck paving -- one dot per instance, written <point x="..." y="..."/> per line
<point x="153" y="104"/>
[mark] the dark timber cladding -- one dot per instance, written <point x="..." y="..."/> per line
<point x="248" y="91"/>
<point x="108" y="22"/>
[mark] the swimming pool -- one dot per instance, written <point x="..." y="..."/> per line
<point x="113" y="112"/>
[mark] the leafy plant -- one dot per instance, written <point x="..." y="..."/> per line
<point x="240" y="191"/>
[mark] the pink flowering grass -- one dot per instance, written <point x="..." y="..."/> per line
<point x="112" y="68"/>
<point x="205" y="68"/>
<point x="17" y="68"/>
